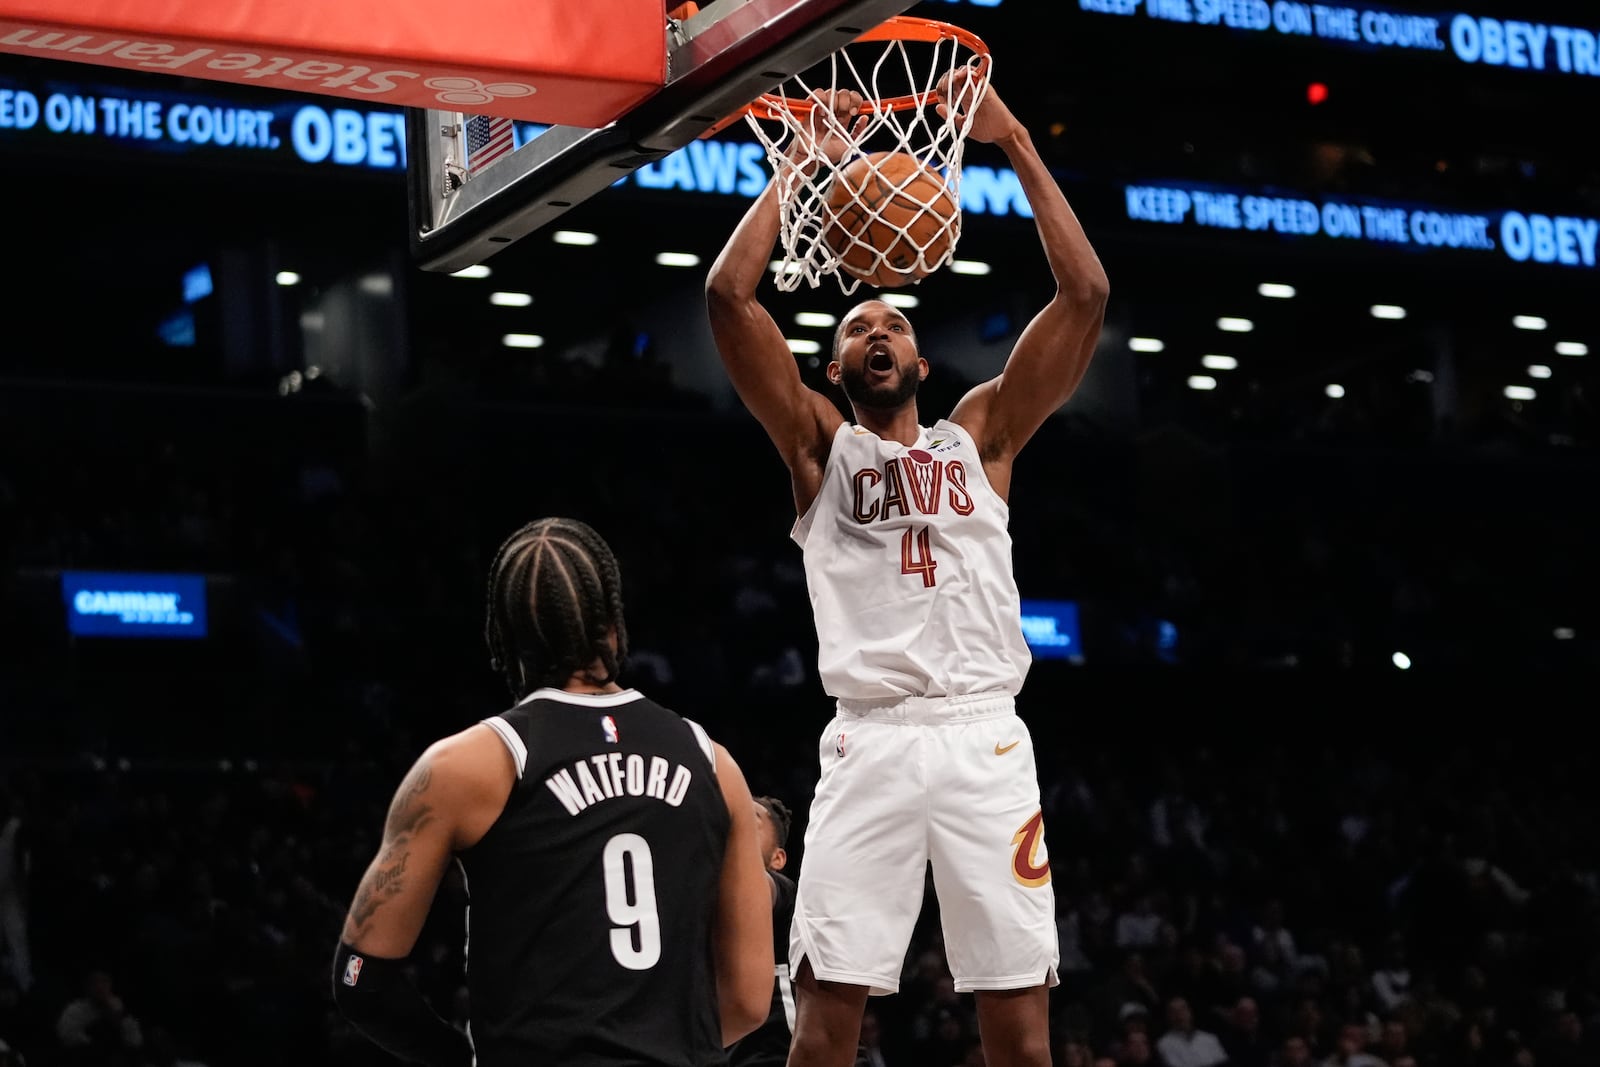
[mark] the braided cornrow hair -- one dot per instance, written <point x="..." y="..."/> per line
<point x="554" y="594"/>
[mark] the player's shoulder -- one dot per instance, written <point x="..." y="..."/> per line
<point x="702" y="739"/>
<point x="467" y="771"/>
<point x="784" y="896"/>
<point x="950" y="430"/>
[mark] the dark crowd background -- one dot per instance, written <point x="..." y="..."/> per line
<point x="1242" y="847"/>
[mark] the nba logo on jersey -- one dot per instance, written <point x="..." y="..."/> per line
<point x="839" y="746"/>
<point x="609" y="725"/>
<point x="352" y="970"/>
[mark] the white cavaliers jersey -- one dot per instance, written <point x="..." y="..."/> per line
<point x="908" y="560"/>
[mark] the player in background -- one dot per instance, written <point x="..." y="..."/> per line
<point x="904" y="530"/>
<point x="768" y="1045"/>
<point x="618" y="910"/>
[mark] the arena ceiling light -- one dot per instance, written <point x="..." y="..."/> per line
<point x="1146" y="344"/>
<point x="1571" y="348"/>
<point x="1203" y="382"/>
<point x="1233" y="325"/>
<point x="1401" y="660"/>
<point x="900" y="300"/>
<point x="1520" y="392"/>
<point x="522" y="340"/>
<point x="1564" y="633"/>
<point x="510" y="300"/>
<point x="1529" y="322"/>
<point x="1334" y="391"/>
<point x="677" y="259"/>
<point x="1388" y="311"/>
<point x="477" y="270"/>
<point x="1276" y="290"/>
<point x="575" y="237"/>
<point x="1219" y="363"/>
<point x="1538" y="370"/>
<point x="803" y="345"/>
<point x="819" y="319"/>
<point x="968" y="266"/>
<point x="288" y="277"/>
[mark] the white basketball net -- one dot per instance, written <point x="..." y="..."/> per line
<point x="805" y="175"/>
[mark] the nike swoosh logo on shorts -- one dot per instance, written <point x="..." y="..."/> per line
<point x="1001" y="750"/>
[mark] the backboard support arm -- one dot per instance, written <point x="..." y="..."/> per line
<point x="725" y="56"/>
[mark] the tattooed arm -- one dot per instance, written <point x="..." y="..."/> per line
<point x="446" y="802"/>
<point x="395" y="894"/>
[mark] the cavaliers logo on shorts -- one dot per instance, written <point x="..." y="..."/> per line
<point x="1026" y="843"/>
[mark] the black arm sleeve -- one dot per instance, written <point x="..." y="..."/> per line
<point x="381" y="1002"/>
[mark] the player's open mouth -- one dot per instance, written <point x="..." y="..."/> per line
<point x="881" y="362"/>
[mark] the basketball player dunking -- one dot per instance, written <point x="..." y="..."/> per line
<point x="619" y="913"/>
<point x="908" y="560"/>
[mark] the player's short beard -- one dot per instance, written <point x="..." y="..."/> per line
<point x="886" y="397"/>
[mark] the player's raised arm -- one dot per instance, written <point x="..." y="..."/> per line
<point x="446" y="801"/>
<point x="753" y="349"/>
<point x="743" y="925"/>
<point x="1054" y="350"/>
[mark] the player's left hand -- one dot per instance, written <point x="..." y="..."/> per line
<point x="834" y="126"/>
<point x="992" y="121"/>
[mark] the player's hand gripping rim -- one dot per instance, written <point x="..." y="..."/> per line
<point x="990" y="120"/>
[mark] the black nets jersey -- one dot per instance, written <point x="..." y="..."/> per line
<point x="768" y="1046"/>
<point x="591" y="898"/>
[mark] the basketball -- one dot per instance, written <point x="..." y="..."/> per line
<point x="890" y="219"/>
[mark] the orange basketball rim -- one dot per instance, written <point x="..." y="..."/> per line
<point x="899" y="28"/>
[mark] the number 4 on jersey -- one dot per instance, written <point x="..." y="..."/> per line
<point x="916" y="554"/>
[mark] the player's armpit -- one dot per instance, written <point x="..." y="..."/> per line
<point x="742" y="937"/>
<point x="1044" y="370"/>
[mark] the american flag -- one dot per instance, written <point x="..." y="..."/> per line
<point x="488" y="139"/>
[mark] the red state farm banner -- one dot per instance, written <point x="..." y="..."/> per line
<point x="560" y="62"/>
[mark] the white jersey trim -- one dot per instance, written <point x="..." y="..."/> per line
<point x="586" y="700"/>
<point x="701" y="736"/>
<point x="466" y="944"/>
<point x="513" y="740"/>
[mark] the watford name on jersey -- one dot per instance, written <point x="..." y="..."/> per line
<point x="616" y="775"/>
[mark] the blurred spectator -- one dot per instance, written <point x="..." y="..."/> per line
<point x="97" y="1027"/>
<point x="1186" y="1045"/>
<point x="1308" y="891"/>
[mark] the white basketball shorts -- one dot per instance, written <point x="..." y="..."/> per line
<point x="949" y="780"/>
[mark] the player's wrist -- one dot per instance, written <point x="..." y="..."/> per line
<point x="1015" y="140"/>
<point x="379" y="999"/>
